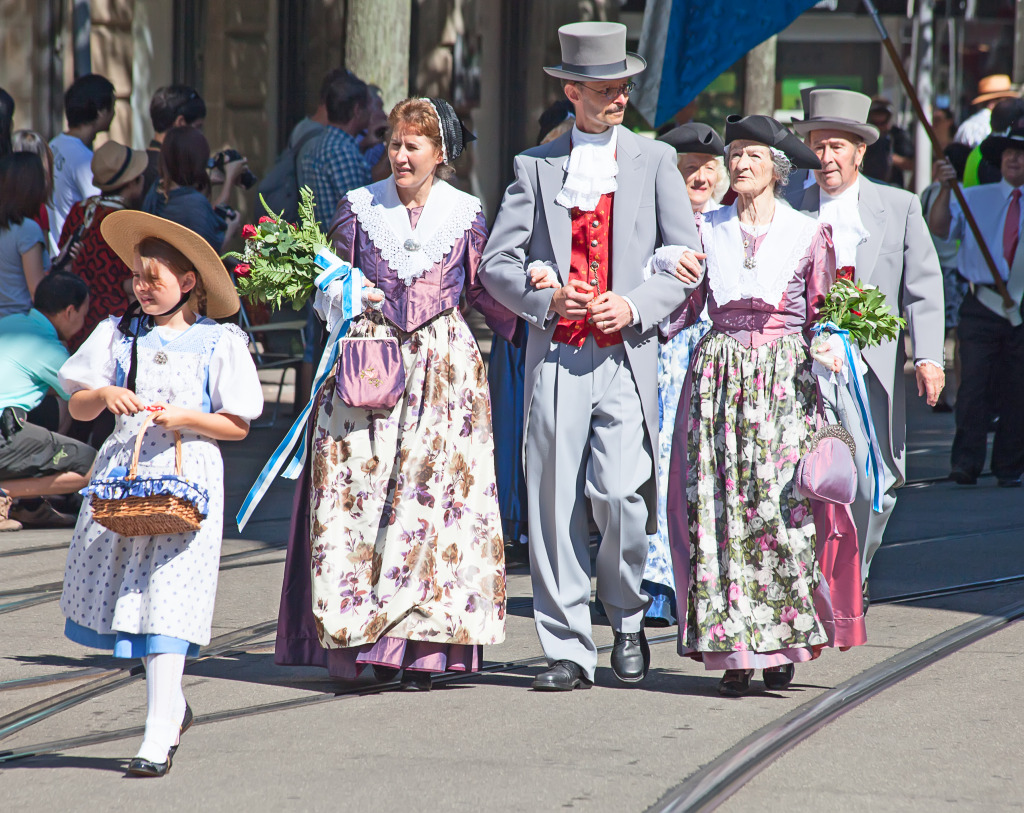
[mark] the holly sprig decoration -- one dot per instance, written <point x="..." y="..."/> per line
<point x="277" y="264"/>
<point x="862" y="310"/>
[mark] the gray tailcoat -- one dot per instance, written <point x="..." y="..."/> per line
<point x="898" y="257"/>
<point x="651" y="207"/>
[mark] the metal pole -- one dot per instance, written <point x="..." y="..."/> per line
<point x="925" y="60"/>
<point x="1008" y="304"/>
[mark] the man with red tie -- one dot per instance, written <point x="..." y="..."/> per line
<point x="991" y="338"/>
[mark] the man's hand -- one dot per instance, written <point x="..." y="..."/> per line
<point x="609" y="312"/>
<point x="943" y="172"/>
<point x="930" y="381"/>
<point x="688" y="268"/>
<point x="570" y="301"/>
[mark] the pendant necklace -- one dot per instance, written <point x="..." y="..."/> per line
<point x="749" y="247"/>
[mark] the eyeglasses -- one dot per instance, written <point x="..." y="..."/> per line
<point x="611" y="93"/>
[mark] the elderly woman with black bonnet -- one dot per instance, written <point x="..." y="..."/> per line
<point x="743" y="540"/>
<point x="700" y="152"/>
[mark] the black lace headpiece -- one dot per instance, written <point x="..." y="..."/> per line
<point x="454" y="134"/>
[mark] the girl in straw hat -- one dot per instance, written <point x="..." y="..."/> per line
<point x="151" y="597"/>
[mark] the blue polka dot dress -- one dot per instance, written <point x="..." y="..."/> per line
<point x="156" y="586"/>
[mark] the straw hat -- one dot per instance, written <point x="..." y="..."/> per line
<point x="124" y="230"/>
<point x="834" y="109"/>
<point x="996" y="86"/>
<point x="114" y="165"/>
<point x="595" y="52"/>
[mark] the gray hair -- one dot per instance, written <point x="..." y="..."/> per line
<point x="782" y="166"/>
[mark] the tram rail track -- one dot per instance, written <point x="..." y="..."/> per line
<point x="709" y="787"/>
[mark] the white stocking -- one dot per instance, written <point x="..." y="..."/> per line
<point x="165" y="705"/>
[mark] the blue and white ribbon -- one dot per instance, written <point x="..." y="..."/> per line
<point x="334" y="268"/>
<point x="855" y="385"/>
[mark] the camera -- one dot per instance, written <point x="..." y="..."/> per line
<point x="225" y="212"/>
<point x="218" y="161"/>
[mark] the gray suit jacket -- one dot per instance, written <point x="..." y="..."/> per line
<point x="898" y="257"/>
<point x="651" y="207"/>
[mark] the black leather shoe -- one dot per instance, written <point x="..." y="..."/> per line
<point x="415" y="681"/>
<point x="963" y="478"/>
<point x="564" y="676"/>
<point x="735" y="682"/>
<point x="631" y="656"/>
<point x="186" y="724"/>
<point x="778" y="678"/>
<point x="143" y="767"/>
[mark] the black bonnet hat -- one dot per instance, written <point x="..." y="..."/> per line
<point x="766" y="130"/>
<point x="454" y="135"/>
<point x="992" y="148"/>
<point x="694" y="137"/>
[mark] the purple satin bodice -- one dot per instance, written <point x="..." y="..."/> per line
<point x="409" y="307"/>
<point x="754" y="322"/>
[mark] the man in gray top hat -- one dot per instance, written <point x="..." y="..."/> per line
<point x="881" y="239"/>
<point x="589" y="208"/>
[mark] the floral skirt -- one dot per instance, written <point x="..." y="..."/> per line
<point x="405" y="530"/>
<point x="753" y="570"/>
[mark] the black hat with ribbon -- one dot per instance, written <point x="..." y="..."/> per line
<point x="767" y="131"/>
<point x="992" y="148"/>
<point x="454" y="134"/>
<point x="694" y="136"/>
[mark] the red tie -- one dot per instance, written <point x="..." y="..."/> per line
<point x="1011" y="230"/>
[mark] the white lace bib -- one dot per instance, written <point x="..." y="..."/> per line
<point x="787" y="241"/>
<point x="590" y="170"/>
<point x="410" y="252"/>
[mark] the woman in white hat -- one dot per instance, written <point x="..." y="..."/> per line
<point x="152" y="597"/>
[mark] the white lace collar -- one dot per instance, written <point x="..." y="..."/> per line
<point x="842" y="213"/>
<point x="410" y="252"/>
<point x="590" y="169"/>
<point x="787" y="241"/>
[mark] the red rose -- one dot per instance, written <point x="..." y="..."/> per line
<point x="248" y="230"/>
<point x="266" y="219"/>
<point x="242" y="269"/>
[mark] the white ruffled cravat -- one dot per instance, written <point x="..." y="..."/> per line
<point x="842" y="213"/>
<point x="590" y="170"/>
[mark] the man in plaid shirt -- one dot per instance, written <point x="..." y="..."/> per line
<point x="336" y="165"/>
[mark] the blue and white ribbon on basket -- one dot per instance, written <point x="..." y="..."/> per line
<point x="855" y="385"/>
<point x="334" y="268"/>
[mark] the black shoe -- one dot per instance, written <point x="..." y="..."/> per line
<point x="414" y="681"/>
<point x="631" y="656"/>
<point x="1008" y="482"/>
<point x="963" y="478"/>
<point x="865" y="593"/>
<point x="143" y="767"/>
<point x="735" y="682"/>
<point x="564" y="676"/>
<point x="778" y="677"/>
<point x="186" y="724"/>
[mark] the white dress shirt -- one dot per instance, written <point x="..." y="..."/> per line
<point x="975" y="129"/>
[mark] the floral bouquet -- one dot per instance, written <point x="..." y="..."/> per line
<point x="279" y="261"/>
<point x="862" y="311"/>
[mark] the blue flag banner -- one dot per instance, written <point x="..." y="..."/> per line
<point x="687" y="43"/>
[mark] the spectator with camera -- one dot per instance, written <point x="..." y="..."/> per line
<point x="35" y="461"/>
<point x="171" y="106"/>
<point x="119" y="173"/>
<point x="337" y="165"/>
<point x="89" y="109"/>
<point x="24" y="258"/>
<point x="181" y="194"/>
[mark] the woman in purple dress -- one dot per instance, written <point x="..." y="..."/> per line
<point x="396" y="552"/>
<point x="744" y="544"/>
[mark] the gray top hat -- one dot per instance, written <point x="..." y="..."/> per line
<point x="595" y="52"/>
<point x="832" y="109"/>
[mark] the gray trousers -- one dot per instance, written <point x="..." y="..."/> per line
<point x="870" y="524"/>
<point x="585" y="438"/>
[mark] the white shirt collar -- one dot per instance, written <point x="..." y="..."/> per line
<point x="590" y="169"/>
<point x="1007" y="190"/>
<point x="852" y="192"/>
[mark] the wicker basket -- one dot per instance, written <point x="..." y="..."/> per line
<point x="150" y="515"/>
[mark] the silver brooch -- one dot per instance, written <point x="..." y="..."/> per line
<point x="411" y="245"/>
<point x="160" y="357"/>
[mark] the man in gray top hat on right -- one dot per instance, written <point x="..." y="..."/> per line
<point x="881" y="239"/>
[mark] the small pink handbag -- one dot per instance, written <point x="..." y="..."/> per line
<point x="827" y="472"/>
<point x="370" y="373"/>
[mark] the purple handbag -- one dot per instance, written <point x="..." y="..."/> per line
<point x="827" y="472"/>
<point x="370" y="373"/>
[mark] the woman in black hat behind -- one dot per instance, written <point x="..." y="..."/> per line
<point x="743" y="541"/>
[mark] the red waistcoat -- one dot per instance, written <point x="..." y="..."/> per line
<point x="590" y="262"/>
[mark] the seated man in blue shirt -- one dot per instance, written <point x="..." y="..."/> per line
<point x="35" y="461"/>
